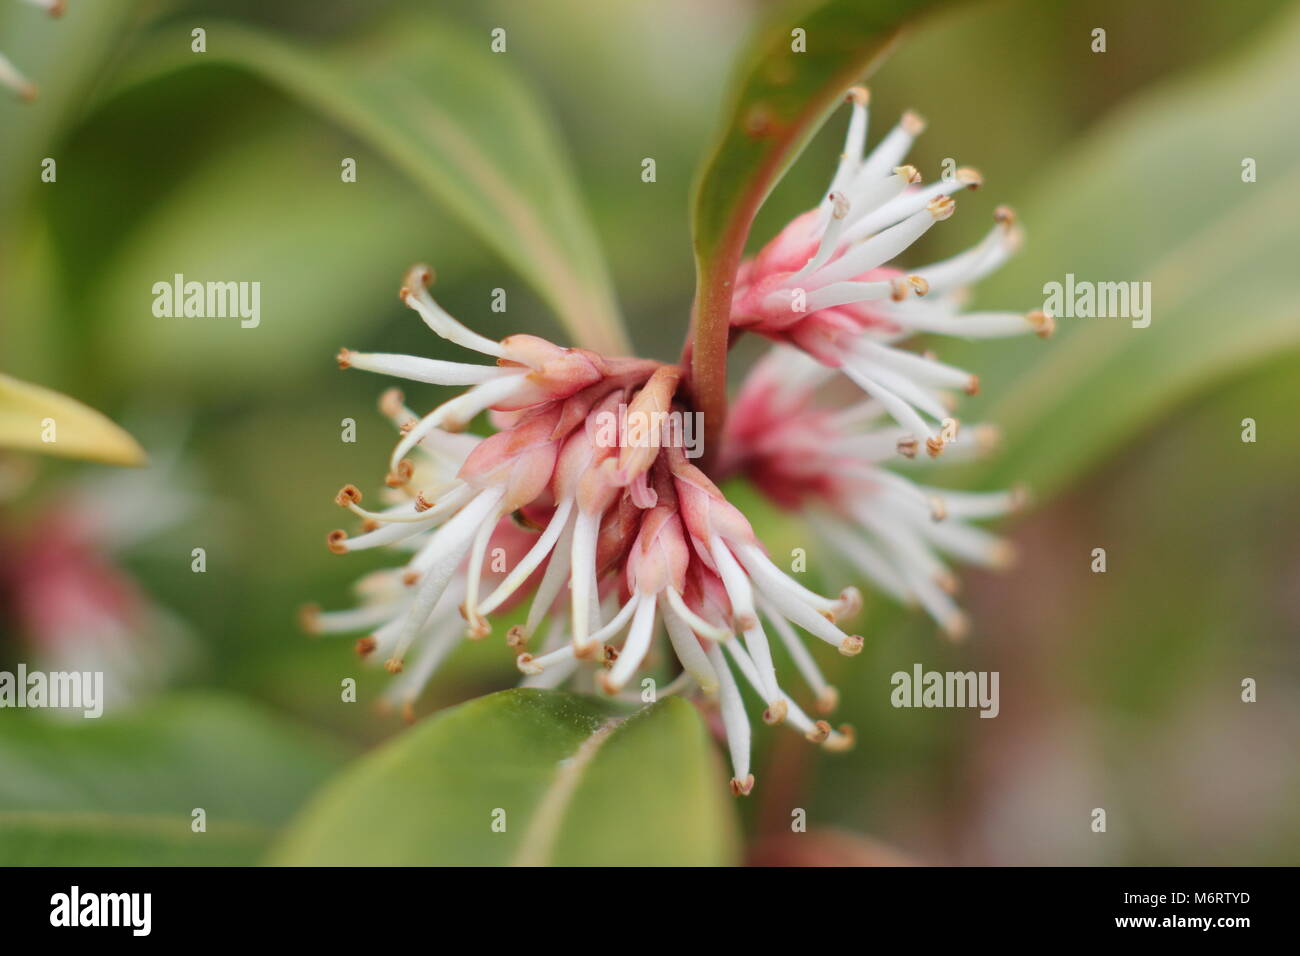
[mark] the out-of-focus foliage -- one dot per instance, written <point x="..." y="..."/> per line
<point x="528" y="777"/>
<point x="38" y="419"/>
<point x="467" y="130"/>
<point x="122" y="790"/>
<point x="1123" y="208"/>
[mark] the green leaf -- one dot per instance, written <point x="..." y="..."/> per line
<point x="782" y="98"/>
<point x="37" y="838"/>
<point x="1154" y="195"/>
<point x="332" y="262"/>
<point x="462" y="126"/>
<point x="121" y="790"/>
<point x="578" y="781"/>
<point x="64" y="57"/>
<point x="33" y="418"/>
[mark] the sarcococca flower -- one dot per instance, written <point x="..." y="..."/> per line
<point x="827" y="284"/>
<point x="623" y="540"/>
<point x="614" y="541"/>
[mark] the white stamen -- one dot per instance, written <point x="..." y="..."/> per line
<point x="532" y="560"/>
<point x="968" y="543"/>
<point x="970" y="266"/>
<point x="908" y="546"/>
<point x="889" y="152"/>
<point x="474" y="573"/>
<point x="582" y="575"/>
<point x="388" y="534"/>
<point x="12" y="78"/>
<point x="899" y="410"/>
<point x="557" y="670"/>
<point x="553" y="579"/>
<point x="975" y="504"/>
<point x="417" y="369"/>
<point x="839" y="211"/>
<point x="361" y="618"/>
<point x="862" y="555"/>
<point x="869" y="447"/>
<point x="418" y="298"/>
<point x="734" y="719"/>
<point x="785" y="596"/>
<point x="635" y="647"/>
<point x="453" y="540"/>
<point x="922" y="317"/>
<point x="798" y="653"/>
<point x="867" y="410"/>
<point x="450" y="503"/>
<point x="846" y="293"/>
<point x="736" y="584"/>
<point x="761" y="652"/>
<point x="619" y="620"/>
<point x="458" y="412"/>
<point x="536" y="665"/>
<point x="907" y="204"/>
<point x="879" y="249"/>
<point x="447" y="499"/>
<point x="444" y="638"/>
<point x="794" y="714"/>
<point x="688" y="649"/>
<point x="854" y="142"/>
<point x="680" y="684"/>
<point x="922" y="399"/>
<point x="924" y="370"/>
<point x="866" y="197"/>
<point x="760" y="566"/>
<point x="694" y="621"/>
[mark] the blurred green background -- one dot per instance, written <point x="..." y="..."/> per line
<point x="1119" y="690"/>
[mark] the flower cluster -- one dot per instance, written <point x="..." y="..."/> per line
<point x="624" y="538"/>
<point x="825" y="284"/>
<point x="616" y="541"/>
<point x="825" y="460"/>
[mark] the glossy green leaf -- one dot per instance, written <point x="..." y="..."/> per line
<point x="465" y="129"/>
<point x="122" y="790"/>
<point x="572" y="780"/>
<point x="783" y="95"/>
<point x="33" y="418"/>
<point x="1155" y="195"/>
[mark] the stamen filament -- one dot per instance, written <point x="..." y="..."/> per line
<point x="418" y="369"/>
<point x="532" y="560"/>
<point x="687" y="647"/>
